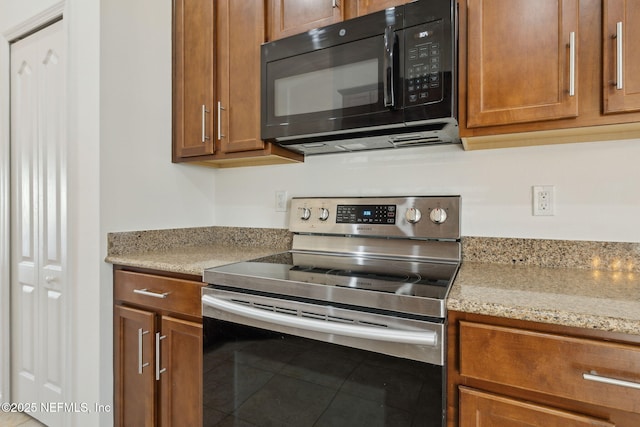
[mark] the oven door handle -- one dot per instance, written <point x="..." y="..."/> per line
<point x="426" y="338"/>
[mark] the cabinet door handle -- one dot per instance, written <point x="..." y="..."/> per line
<point x="593" y="376"/>
<point x="141" y="365"/>
<point x="220" y="108"/>
<point x="158" y="370"/>
<point x="619" y="58"/>
<point x="335" y="3"/>
<point x="572" y="63"/>
<point x="204" y="123"/>
<point x="148" y="293"/>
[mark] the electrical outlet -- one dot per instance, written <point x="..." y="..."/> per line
<point x="281" y="201"/>
<point x="543" y="200"/>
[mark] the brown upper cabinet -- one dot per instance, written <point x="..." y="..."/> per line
<point x="621" y="56"/>
<point x="289" y="17"/>
<point x="194" y="78"/>
<point x="522" y="58"/>
<point x="216" y="84"/>
<point x="548" y="65"/>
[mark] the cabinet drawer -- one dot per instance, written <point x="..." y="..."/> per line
<point x="159" y="293"/>
<point x="478" y="408"/>
<point x="595" y="372"/>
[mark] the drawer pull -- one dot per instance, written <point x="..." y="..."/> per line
<point x="572" y="64"/>
<point x="593" y="376"/>
<point x="141" y="365"/>
<point x="619" y="58"/>
<point x="158" y="370"/>
<point x="148" y="293"/>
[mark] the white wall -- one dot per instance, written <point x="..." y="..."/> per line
<point x="120" y="175"/>
<point x="139" y="187"/>
<point x="597" y="192"/>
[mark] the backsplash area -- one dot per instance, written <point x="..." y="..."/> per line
<point x="158" y="240"/>
<point x="611" y="256"/>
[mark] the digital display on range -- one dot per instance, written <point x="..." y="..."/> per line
<point x="366" y="214"/>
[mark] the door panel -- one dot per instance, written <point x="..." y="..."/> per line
<point x="194" y="78"/>
<point x="624" y="97"/>
<point x="134" y="355"/>
<point x="181" y="382"/>
<point x="24" y="220"/>
<point x="38" y="218"/>
<point x="289" y="17"/>
<point x="533" y="83"/>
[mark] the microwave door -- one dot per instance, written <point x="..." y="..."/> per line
<point x="348" y="86"/>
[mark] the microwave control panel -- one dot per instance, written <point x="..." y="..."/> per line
<point x="423" y="78"/>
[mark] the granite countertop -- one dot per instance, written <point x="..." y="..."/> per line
<point x="191" y="259"/>
<point x="593" y="285"/>
<point x="593" y="299"/>
<point x="192" y="250"/>
<point x="582" y="284"/>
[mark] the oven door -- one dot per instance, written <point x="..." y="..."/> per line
<point x="266" y="370"/>
<point x="337" y="79"/>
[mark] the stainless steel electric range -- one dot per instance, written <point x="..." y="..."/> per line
<point x="345" y="329"/>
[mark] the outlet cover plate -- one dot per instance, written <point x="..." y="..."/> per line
<point x="543" y="200"/>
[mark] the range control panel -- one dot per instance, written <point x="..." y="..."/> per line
<point x="366" y="214"/>
<point x="424" y="217"/>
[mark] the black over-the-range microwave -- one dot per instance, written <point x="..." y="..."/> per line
<point x="383" y="80"/>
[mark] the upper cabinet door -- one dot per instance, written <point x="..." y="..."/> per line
<point x="241" y="31"/>
<point x="364" y="7"/>
<point x="521" y="61"/>
<point x="621" y="56"/>
<point x="289" y="17"/>
<point x="193" y="78"/>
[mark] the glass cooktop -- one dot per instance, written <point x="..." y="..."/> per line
<point x="399" y="285"/>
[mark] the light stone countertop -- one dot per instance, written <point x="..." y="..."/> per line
<point x="592" y="285"/>
<point x="192" y="250"/>
<point x="190" y="259"/>
<point x="594" y="299"/>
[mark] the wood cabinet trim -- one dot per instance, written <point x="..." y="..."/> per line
<point x="618" y="417"/>
<point x="590" y="80"/>
<point x="480" y="408"/>
<point x="127" y="380"/>
<point x="182" y="296"/>
<point x="549" y="363"/>
<point x="141" y="399"/>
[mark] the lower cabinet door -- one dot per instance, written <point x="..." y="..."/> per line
<point x="479" y="408"/>
<point x="180" y="372"/>
<point x="135" y="393"/>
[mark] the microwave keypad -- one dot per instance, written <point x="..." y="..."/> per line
<point x="423" y="81"/>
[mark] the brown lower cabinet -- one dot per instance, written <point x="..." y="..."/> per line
<point x="157" y="350"/>
<point x="507" y="373"/>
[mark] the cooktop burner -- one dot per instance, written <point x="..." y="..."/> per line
<point x="350" y="280"/>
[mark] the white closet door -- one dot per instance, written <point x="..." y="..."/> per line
<point x="38" y="216"/>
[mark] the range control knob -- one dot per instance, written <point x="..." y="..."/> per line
<point x="305" y="214"/>
<point x="413" y="215"/>
<point x="438" y="215"/>
<point x="324" y="214"/>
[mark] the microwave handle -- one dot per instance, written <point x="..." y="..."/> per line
<point x="389" y="72"/>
